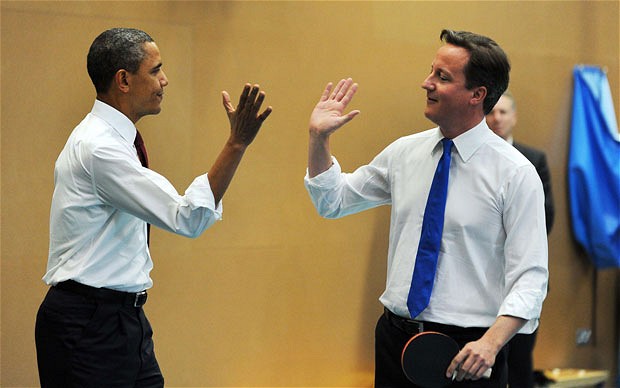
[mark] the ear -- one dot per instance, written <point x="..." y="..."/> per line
<point x="478" y="95"/>
<point x="121" y="80"/>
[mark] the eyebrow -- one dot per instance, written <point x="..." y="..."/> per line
<point x="439" y="69"/>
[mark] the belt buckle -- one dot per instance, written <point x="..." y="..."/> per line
<point x="412" y="325"/>
<point x="140" y="299"/>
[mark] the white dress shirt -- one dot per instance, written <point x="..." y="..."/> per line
<point x="493" y="255"/>
<point x="102" y="200"/>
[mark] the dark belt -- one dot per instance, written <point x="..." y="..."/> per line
<point x="105" y="295"/>
<point x="413" y="327"/>
<point x="409" y="326"/>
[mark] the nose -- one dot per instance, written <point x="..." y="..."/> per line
<point x="427" y="84"/>
<point x="163" y="80"/>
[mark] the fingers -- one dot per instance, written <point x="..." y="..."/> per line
<point x="453" y="367"/>
<point x="328" y="114"/>
<point x="265" y="114"/>
<point x="245" y="120"/>
<point x="227" y="103"/>
<point x="343" y="92"/>
<point x="349" y="94"/>
<point x="343" y="88"/>
<point x="258" y="101"/>
<point x="326" y="92"/>
<point x="337" y="89"/>
<point x="251" y="98"/>
<point x="250" y="101"/>
<point x="256" y="107"/>
<point x="468" y="365"/>
<point x="349" y="116"/>
<point x="244" y="95"/>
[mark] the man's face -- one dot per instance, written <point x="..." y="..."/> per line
<point x="146" y="86"/>
<point x="447" y="98"/>
<point x="503" y="117"/>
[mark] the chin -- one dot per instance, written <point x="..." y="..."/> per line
<point x="429" y="115"/>
<point x="150" y="112"/>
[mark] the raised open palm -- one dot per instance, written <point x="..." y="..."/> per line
<point x="327" y="115"/>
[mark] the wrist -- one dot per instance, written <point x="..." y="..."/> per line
<point x="318" y="136"/>
<point x="234" y="145"/>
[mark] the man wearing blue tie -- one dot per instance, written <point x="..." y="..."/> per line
<point x="468" y="248"/>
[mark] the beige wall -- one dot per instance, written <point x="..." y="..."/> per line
<point x="274" y="295"/>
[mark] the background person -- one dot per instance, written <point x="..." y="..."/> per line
<point x="502" y="120"/>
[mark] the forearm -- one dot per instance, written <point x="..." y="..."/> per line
<point x="319" y="155"/>
<point x="224" y="168"/>
<point x="504" y="328"/>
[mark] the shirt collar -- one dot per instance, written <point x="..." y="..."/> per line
<point x="469" y="141"/>
<point x="117" y="120"/>
<point x="436" y="140"/>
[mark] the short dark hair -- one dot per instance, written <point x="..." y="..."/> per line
<point x="488" y="64"/>
<point x="112" y="50"/>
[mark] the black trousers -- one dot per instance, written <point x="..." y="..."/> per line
<point x="82" y="342"/>
<point x="389" y="343"/>
<point x="520" y="360"/>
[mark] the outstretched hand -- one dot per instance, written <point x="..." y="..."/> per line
<point x="327" y="115"/>
<point x="244" y="125"/>
<point x="245" y="120"/>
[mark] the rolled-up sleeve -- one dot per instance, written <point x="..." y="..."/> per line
<point x="525" y="249"/>
<point x="124" y="184"/>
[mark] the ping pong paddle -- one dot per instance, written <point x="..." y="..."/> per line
<point x="426" y="357"/>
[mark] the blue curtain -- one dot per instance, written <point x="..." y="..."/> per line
<point x="594" y="168"/>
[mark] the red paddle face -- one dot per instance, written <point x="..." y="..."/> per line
<point x="426" y="358"/>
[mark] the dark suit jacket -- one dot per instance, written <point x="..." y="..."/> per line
<point x="539" y="160"/>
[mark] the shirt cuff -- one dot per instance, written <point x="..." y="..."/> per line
<point x="199" y="194"/>
<point x="326" y="178"/>
<point x="520" y="305"/>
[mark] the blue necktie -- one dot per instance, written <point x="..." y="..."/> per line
<point x="430" y="239"/>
